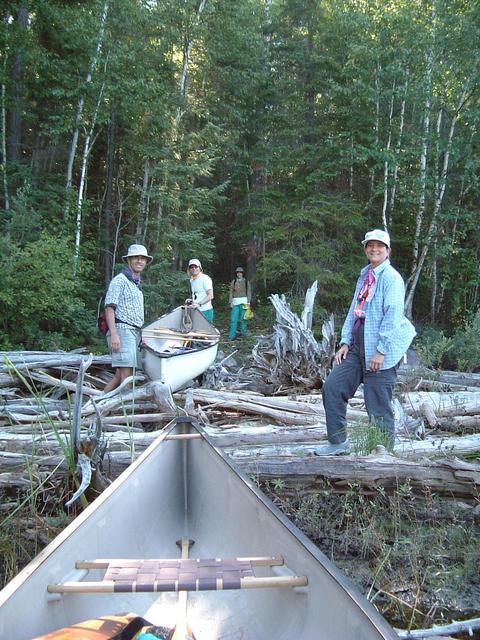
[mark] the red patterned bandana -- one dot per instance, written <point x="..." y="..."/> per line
<point x="365" y="294"/>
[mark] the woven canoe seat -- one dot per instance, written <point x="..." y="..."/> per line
<point x="211" y="574"/>
<point x="178" y="575"/>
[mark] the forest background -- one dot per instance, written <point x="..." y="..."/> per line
<point x="266" y="133"/>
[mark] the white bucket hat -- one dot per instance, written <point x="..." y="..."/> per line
<point x="377" y="234"/>
<point x="195" y="262"/>
<point x="137" y="250"/>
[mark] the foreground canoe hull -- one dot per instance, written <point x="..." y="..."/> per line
<point x="164" y="358"/>
<point x="187" y="488"/>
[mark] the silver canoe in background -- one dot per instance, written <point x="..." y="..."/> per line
<point x="179" y="346"/>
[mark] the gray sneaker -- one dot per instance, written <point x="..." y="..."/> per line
<point x="329" y="449"/>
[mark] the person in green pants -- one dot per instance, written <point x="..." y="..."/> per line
<point x="240" y="294"/>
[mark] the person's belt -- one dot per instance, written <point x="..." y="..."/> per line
<point x="129" y="324"/>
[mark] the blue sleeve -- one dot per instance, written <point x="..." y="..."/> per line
<point x="393" y="311"/>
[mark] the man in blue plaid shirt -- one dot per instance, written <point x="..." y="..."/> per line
<point x="375" y="335"/>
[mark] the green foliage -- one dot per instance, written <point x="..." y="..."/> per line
<point x="298" y="124"/>
<point x="40" y="300"/>
<point x="365" y="437"/>
<point x="432" y="346"/>
<point x="459" y="351"/>
<point x="464" y="349"/>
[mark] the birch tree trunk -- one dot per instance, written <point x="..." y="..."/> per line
<point x="87" y="147"/>
<point x="386" y="166"/>
<point x="187" y="50"/>
<point x="423" y="161"/>
<point x="376" y="126"/>
<point x="433" y="296"/>
<point x="80" y="107"/>
<point x="397" y="153"/>
<point x="436" y="209"/>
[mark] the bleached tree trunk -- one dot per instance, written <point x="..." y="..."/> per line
<point x="386" y="166"/>
<point x="437" y="206"/>
<point x="80" y="106"/>
<point x="87" y="147"/>
<point x="397" y="152"/>
<point x="433" y="297"/>
<point x="187" y="52"/>
<point x="143" y="204"/>
<point x="376" y="125"/>
<point x="423" y="162"/>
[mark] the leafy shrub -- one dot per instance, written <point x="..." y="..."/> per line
<point x="464" y="347"/>
<point x="433" y="346"/>
<point x="460" y="351"/>
<point x="41" y="305"/>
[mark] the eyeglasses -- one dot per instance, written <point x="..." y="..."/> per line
<point x="194" y="266"/>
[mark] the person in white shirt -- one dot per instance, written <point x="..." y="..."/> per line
<point x="202" y="289"/>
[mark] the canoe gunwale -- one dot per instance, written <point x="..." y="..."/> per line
<point x="164" y="354"/>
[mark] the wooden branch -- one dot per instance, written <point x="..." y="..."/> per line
<point x="276" y="408"/>
<point x="51" y="381"/>
<point x="462" y="626"/>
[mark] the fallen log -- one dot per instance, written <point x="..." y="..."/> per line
<point x="118" y="401"/>
<point x="460" y="424"/>
<point x="125" y="422"/>
<point x="51" y="381"/>
<point x="378" y="471"/>
<point x="460" y="403"/>
<point x="22" y="360"/>
<point x="280" y="409"/>
<point x="431" y="447"/>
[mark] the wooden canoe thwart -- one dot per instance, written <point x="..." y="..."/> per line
<point x="244" y="570"/>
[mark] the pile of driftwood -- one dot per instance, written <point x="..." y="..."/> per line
<point x="267" y="416"/>
<point x="269" y="436"/>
